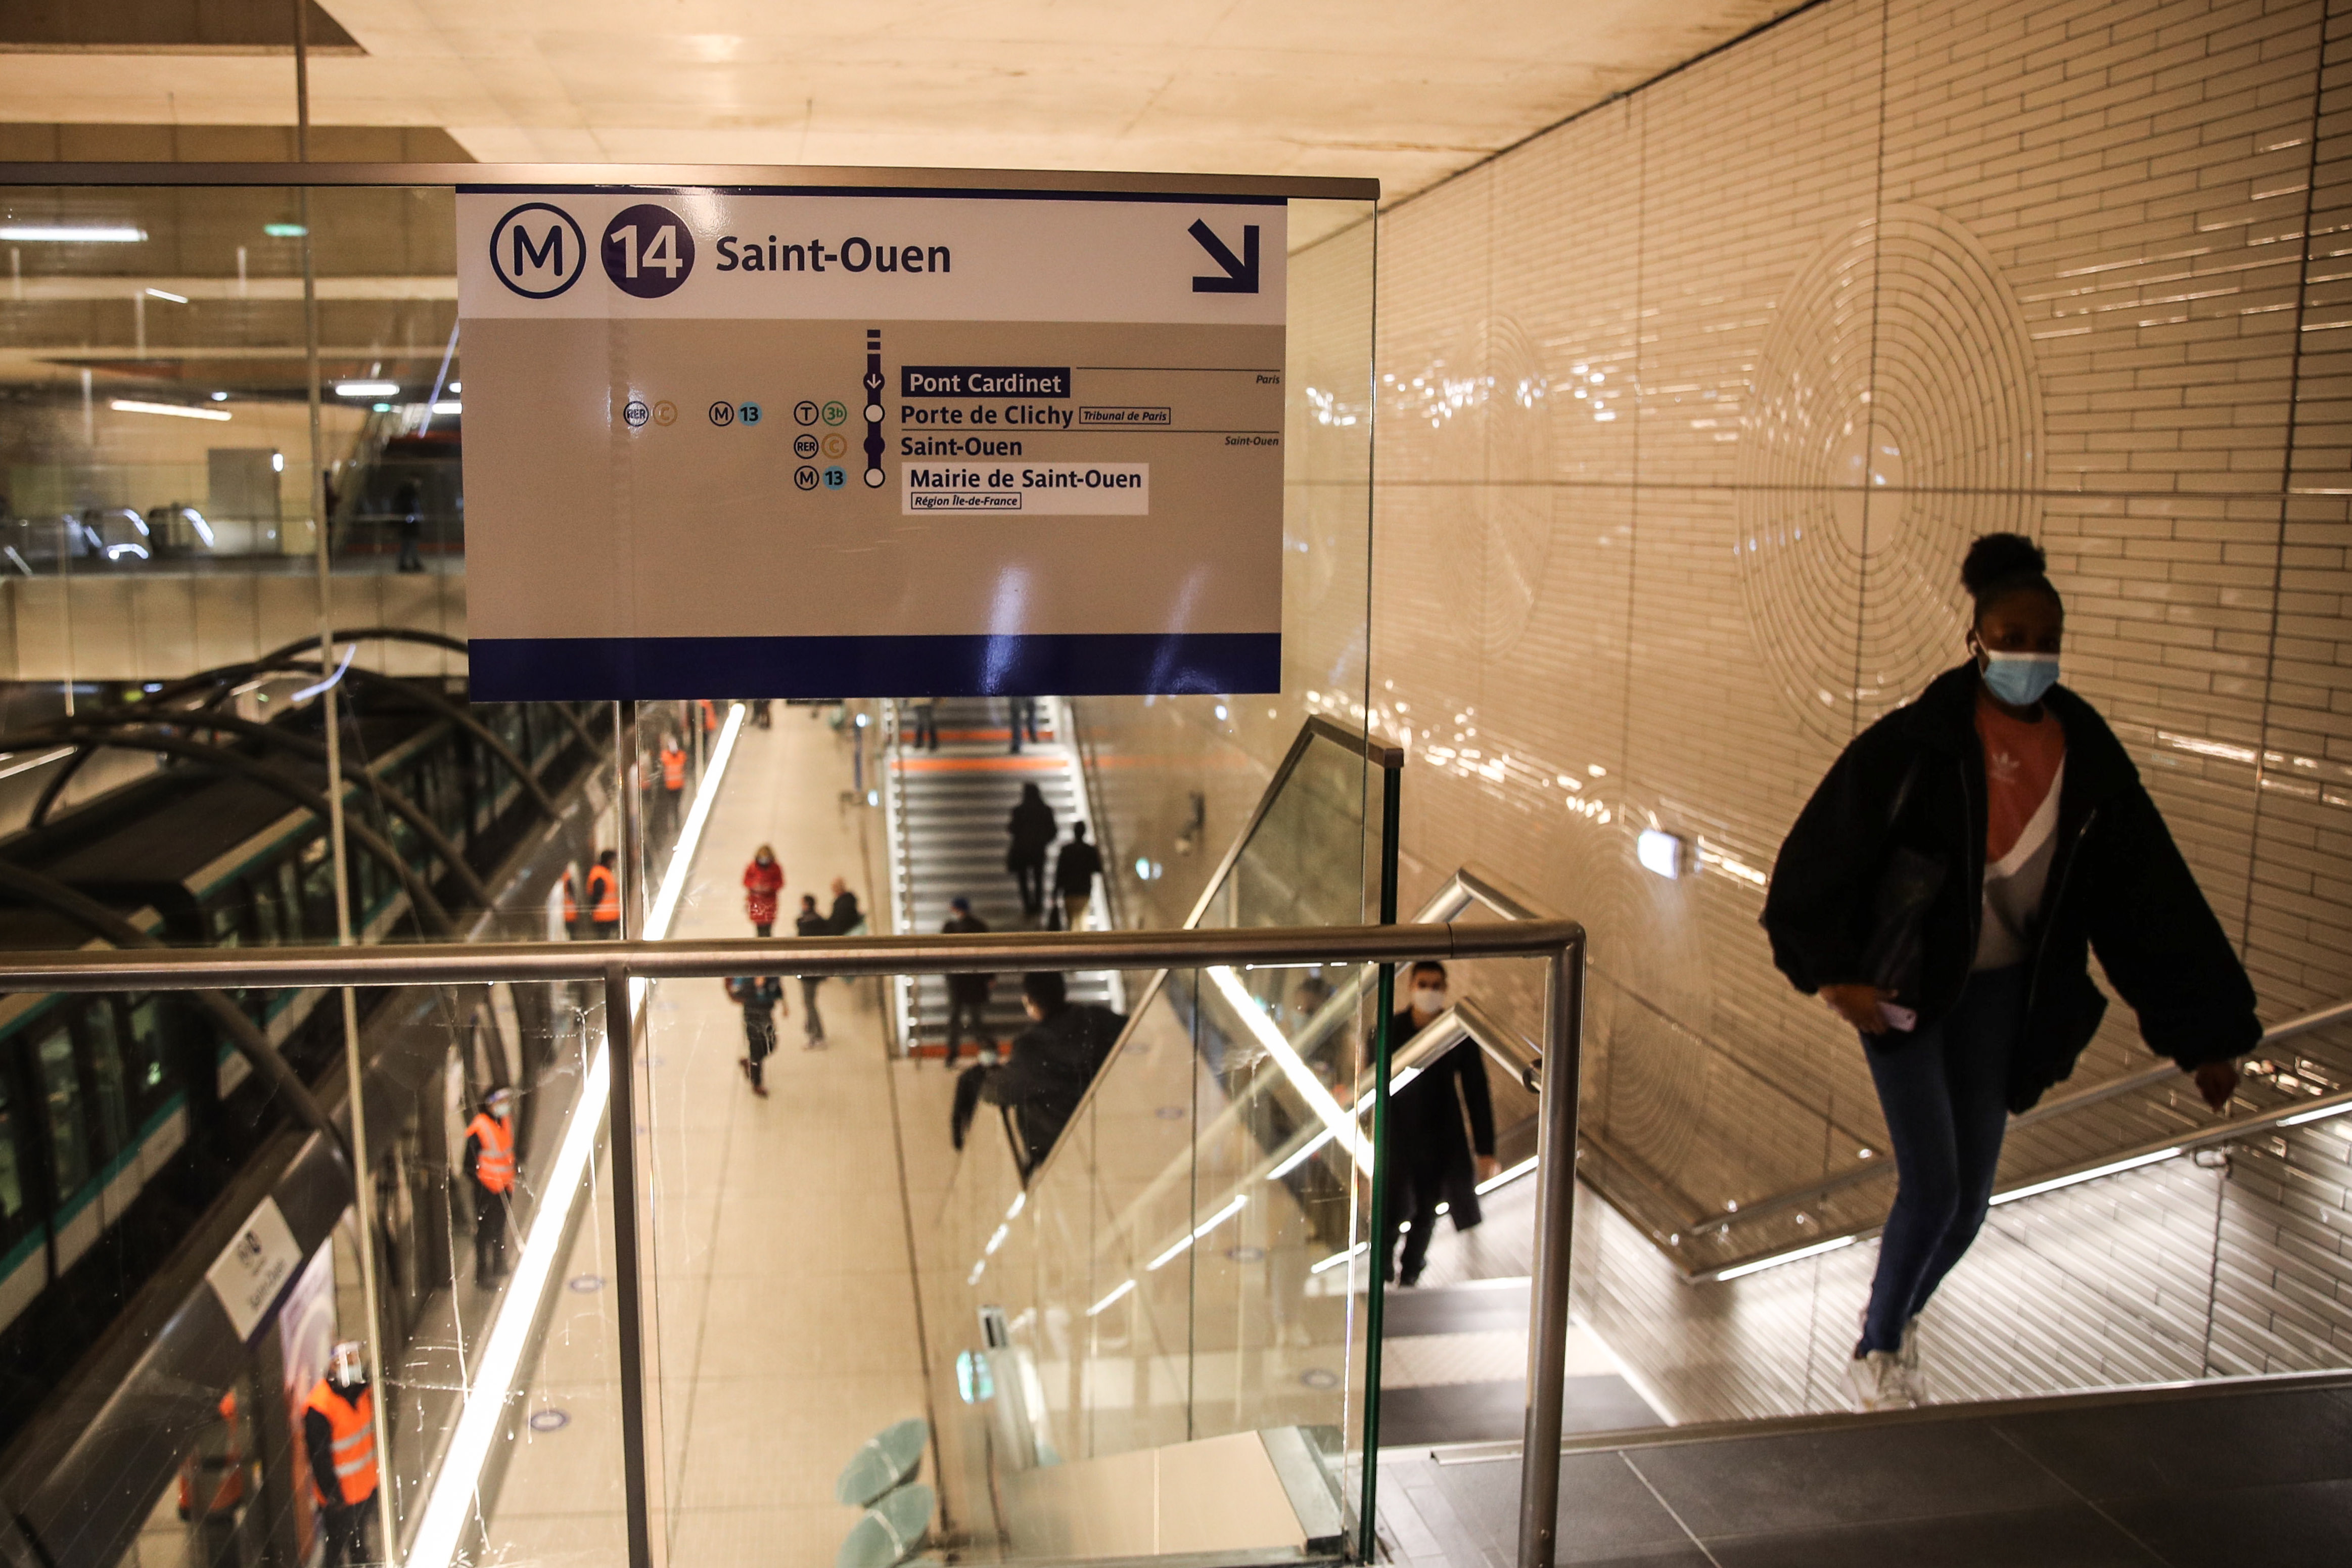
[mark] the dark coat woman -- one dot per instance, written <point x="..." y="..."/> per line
<point x="1032" y="831"/>
<point x="1436" y="1167"/>
<point x="1943" y="891"/>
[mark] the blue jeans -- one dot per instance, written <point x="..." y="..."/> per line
<point x="1944" y="1092"/>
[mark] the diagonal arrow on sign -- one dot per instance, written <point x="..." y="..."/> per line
<point x="1240" y="272"/>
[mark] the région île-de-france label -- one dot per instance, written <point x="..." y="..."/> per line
<point x="791" y="443"/>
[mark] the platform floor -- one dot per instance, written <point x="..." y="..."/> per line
<point x="784" y="1299"/>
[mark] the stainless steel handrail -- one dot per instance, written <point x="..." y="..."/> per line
<point x="1560" y="944"/>
<point x="752" y="176"/>
<point x="1315" y="728"/>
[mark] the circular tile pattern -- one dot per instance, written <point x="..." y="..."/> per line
<point x="549" y="1420"/>
<point x="1894" y="416"/>
<point x="1246" y="1254"/>
<point x="583" y="1283"/>
<point x="1320" y="1377"/>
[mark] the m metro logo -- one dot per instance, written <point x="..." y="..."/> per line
<point x="538" y="251"/>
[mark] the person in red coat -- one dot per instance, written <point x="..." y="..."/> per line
<point x="763" y="880"/>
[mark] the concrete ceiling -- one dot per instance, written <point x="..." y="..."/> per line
<point x="1406" y="92"/>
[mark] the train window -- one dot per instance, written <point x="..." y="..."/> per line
<point x="15" y="1212"/>
<point x="289" y="901"/>
<point x="69" y="1154"/>
<point x="223" y="919"/>
<point x="266" y="928"/>
<point x="102" y="1045"/>
<point x="144" y="1060"/>
<point x="319" y="889"/>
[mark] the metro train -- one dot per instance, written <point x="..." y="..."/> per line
<point x="122" y="1118"/>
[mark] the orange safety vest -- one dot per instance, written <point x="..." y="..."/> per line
<point x="495" y="1169"/>
<point x="710" y="715"/>
<point x="603" y="896"/>
<point x="353" y="1428"/>
<point x="217" y="1466"/>
<point x="673" y="767"/>
<point x="571" y="904"/>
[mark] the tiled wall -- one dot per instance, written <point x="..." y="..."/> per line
<point x="1686" y="412"/>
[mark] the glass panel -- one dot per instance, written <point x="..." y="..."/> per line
<point x="1177" y="1267"/>
<point x="68" y="1125"/>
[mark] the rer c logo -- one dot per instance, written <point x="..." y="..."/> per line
<point x="649" y="251"/>
<point x="538" y="251"/>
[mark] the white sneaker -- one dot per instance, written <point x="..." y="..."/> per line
<point x="1877" y="1381"/>
<point x="1906" y="1355"/>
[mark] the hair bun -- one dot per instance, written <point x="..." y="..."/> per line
<point x="1998" y="558"/>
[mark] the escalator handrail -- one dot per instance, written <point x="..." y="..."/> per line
<point x="1375" y="752"/>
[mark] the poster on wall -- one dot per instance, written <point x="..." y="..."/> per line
<point x="872" y="442"/>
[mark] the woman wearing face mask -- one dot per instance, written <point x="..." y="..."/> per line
<point x="1433" y="1164"/>
<point x="1943" y="891"/>
<point x="763" y="879"/>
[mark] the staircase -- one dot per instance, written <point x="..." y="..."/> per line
<point x="947" y="813"/>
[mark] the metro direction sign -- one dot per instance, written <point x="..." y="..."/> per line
<point x="817" y="443"/>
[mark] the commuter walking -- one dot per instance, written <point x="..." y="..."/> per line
<point x="490" y="1172"/>
<point x="1942" y="891"/>
<point x="571" y="896"/>
<point x="809" y="922"/>
<point x="763" y="713"/>
<point x="673" y="785"/>
<point x="1023" y="713"/>
<point x="759" y="999"/>
<point x="844" y="918"/>
<point x="925" y="712"/>
<point x="338" y="1443"/>
<point x="1032" y="830"/>
<point x="605" y="897"/>
<point x="1075" y="870"/>
<point x="408" y="517"/>
<point x="968" y="993"/>
<point x="1047" y="1073"/>
<point x="1434" y="1167"/>
<point x="763" y="879"/>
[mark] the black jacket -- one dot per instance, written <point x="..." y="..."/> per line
<point x="2118" y="886"/>
<point x="1050" y="1065"/>
<point x="966" y="988"/>
<point x="1077" y="867"/>
<point x="1425" y="1119"/>
<point x="1031" y="828"/>
<point x="844" y="915"/>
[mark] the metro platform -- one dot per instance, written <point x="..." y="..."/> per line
<point x="783" y="1298"/>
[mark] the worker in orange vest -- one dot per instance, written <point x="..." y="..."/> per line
<point x="339" y="1437"/>
<point x="491" y="1165"/>
<point x="673" y="774"/>
<point x="211" y="1486"/>
<point x="571" y="903"/>
<point x="605" y="897"/>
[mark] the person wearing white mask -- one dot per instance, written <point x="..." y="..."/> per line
<point x="1943" y="892"/>
<point x="1433" y="1164"/>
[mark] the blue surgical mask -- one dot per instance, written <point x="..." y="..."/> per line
<point x="2020" y="680"/>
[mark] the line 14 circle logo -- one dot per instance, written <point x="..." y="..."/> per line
<point x="647" y="251"/>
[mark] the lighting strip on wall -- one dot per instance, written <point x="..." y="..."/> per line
<point x="453" y="1499"/>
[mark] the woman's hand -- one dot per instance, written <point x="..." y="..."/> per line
<point x="2217" y="1081"/>
<point x="1858" y="1005"/>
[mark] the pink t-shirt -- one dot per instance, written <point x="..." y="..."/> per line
<point x="2025" y="768"/>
